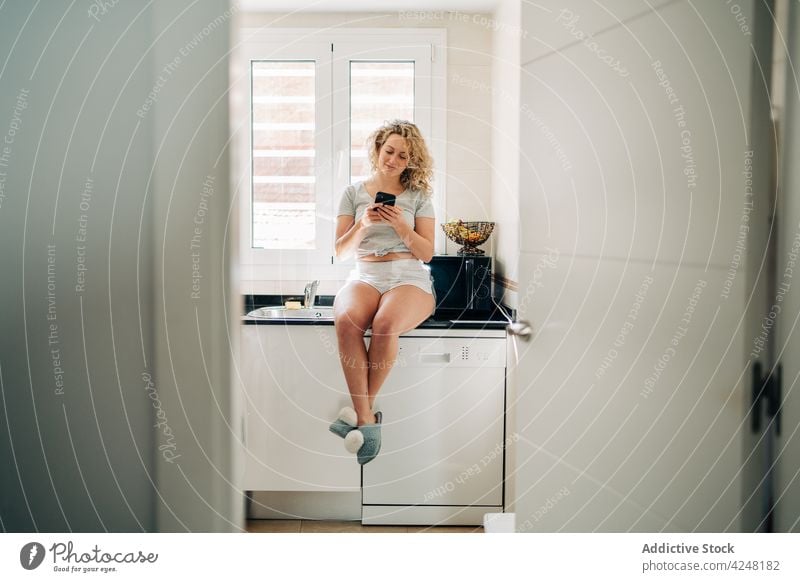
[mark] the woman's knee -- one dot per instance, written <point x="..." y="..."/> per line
<point x="385" y="325"/>
<point x="347" y="327"/>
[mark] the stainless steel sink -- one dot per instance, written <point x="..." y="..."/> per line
<point x="280" y="312"/>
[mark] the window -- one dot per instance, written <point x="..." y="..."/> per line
<point x="310" y="107"/>
<point x="283" y="155"/>
<point x="379" y="90"/>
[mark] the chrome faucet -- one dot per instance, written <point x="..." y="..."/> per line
<point x="310" y="294"/>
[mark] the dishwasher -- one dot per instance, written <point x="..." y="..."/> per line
<point x="442" y="453"/>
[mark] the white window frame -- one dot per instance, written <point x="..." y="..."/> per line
<point x="424" y="46"/>
<point x="263" y="49"/>
<point x="347" y="52"/>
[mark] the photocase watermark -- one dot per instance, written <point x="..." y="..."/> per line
<point x="206" y="192"/>
<point x="168" y="448"/>
<point x="31" y="555"/>
<point x="744" y="226"/>
<point x="422" y="15"/>
<point x="325" y="338"/>
<point x="627" y="326"/>
<point x="67" y="559"/>
<point x="207" y="30"/>
<point x="569" y="20"/>
<point x="549" y="135"/>
<point x="546" y="262"/>
<point x="81" y="236"/>
<point x="3" y="176"/>
<point x="330" y="347"/>
<point x="680" y="332"/>
<point x="679" y="113"/>
<point x="351" y="362"/>
<point x="545" y="508"/>
<point x="163" y="78"/>
<point x="741" y="20"/>
<point x="8" y="139"/>
<point x="472" y="471"/>
<point x="524" y="109"/>
<point x="760" y="341"/>
<point x="16" y="120"/>
<point x="99" y="8"/>
<point x="168" y="70"/>
<point x="489" y="22"/>
<point x="53" y="340"/>
<point x="482" y="20"/>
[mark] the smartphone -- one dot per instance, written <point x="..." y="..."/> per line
<point x="383" y="197"/>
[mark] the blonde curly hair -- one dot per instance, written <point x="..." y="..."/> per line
<point x="418" y="174"/>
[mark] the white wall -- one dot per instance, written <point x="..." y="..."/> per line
<point x="506" y="43"/>
<point x="468" y="177"/>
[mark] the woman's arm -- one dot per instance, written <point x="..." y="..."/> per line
<point x="348" y="234"/>
<point x="419" y="239"/>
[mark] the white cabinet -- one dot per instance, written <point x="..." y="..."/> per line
<point x="442" y="454"/>
<point x="294" y="388"/>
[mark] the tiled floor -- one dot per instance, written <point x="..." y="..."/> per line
<point x="307" y="526"/>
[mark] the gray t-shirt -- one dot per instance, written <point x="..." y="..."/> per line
<point x="381" y="239"/>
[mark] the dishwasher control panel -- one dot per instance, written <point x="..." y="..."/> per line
<point x="454" y="352"/>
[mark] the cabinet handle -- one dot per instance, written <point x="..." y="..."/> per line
<point x="434" y="358"/>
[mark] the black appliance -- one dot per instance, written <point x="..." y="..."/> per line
<point x="463" y="286"/>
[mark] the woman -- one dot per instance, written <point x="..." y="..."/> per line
<point x="390" y="289"/>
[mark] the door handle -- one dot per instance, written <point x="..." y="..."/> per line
<point x="757" y="389"/>
<point x="766" y="388"/>
<point x="521" y="329"/>
<point x="774" y="405"/>
<point x="435" y="358"/>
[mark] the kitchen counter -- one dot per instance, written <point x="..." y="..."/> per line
<point x="434" y="466"/>
<point x="439" y="321"/>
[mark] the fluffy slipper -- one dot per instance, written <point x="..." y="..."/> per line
<point x="372" y="440"/>
<point x="345" y="423"/>
<point x="353" y="441"/>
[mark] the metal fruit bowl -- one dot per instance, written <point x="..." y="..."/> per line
<point x="469" y="234"/>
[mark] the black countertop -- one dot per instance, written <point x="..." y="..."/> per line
<point x="440" y="320"/>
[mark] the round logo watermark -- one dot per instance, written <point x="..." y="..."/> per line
<point x="31" y="555"/>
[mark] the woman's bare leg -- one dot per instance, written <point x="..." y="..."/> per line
<point x="353" y="309"/>
<point x="400" y="310"/>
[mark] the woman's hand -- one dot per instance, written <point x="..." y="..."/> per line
<point x="392" y="216"/>
<point x="371" y="216"/>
